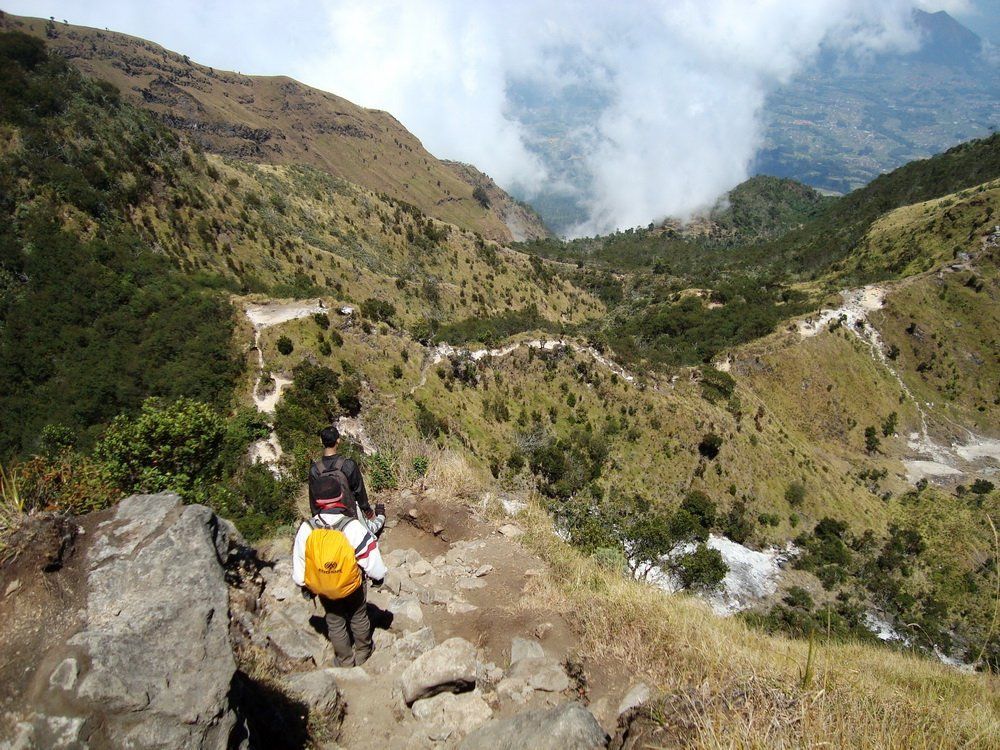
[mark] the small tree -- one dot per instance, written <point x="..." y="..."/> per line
<point x="982" y="487"/>
<point x="889" y="425"/>
<point x="701" y="570"/>
<point x="710" y="445"/>
<point x="168" y="446"/>
<point x="285" y="346"/>
<point x="795" y="494"/>
<point x="872" y="441"/>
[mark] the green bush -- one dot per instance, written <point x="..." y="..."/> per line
<point x="795" y="494"/>
<point x="167" y="446"/>
<point x="285" y="345"/>
<point x="701" y="570"/>
<point x="420" y="465"/>
<point x="378" y="310"/>
<point x="380" y="471"/>
<point x="710" y="445"/>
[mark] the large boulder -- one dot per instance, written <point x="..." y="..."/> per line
<point x="151" y="664"/>
<point x="449" y="667"/>
<point x="566" y="727"/>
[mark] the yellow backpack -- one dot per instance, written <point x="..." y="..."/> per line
<point x="331" y="568"/>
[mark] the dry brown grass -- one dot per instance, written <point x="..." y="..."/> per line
<point x="745" y="689"/>
<point x="453" y="476"/>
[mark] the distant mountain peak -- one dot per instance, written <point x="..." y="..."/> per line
<point x="945" y="41"/>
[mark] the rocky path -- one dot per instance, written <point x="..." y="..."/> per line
<point x="464" y="655"/>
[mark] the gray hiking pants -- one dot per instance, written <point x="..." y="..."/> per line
<point x="347" y="620"/>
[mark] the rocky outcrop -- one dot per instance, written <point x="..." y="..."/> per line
<point x="152" y="664"/>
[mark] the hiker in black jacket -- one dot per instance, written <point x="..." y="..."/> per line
<point x="331" y="462"/>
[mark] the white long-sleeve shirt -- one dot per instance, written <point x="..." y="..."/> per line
<point x="364" y="542"/>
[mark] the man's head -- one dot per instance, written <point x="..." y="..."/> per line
<point x="330" y="436"/>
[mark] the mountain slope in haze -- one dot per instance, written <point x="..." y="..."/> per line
<point x="278" y="120"/>
<point x="845" y="120"/>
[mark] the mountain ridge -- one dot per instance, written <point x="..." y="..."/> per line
<point x="275" y="119"/>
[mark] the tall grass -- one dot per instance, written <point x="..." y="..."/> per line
<point x="12" y="502"/>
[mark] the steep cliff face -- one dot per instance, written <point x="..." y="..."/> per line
<point x="277" y="120"/>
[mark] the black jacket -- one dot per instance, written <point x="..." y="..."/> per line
<point x="354" y="479"/>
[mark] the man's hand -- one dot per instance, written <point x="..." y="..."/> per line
<point x="380" y="509"/>
<point x="307" y="594"/>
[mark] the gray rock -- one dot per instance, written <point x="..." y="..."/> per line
<point x="449" y="667"/>
<point x="510" y="531"/>
<point x="566" y="727"/>
<point x="467" y="584"/>
<point x="12" y="587"/>
<point x="514" y="689"/>
<point x="393" y="582"/>
<point x="456" y="607"/>
<point x="295" y="640"/>
<point x="156" y="640"/>
<point x="540" y="674"/>
<point x="483" y="570"/>
<point x="318" y="690"/>
<point x="420" y="568"/>
<point x="406" y="611"/>
<point x="349" y="674"/>
<point x="450" y="716"/>
<point x="383" y="639"/>
<point x="521" y="648"/>
<point x="636" y="696"/>
<point x="435" y="596"/>
<point x="414" y="644"/>
<point x="64" y="676"/>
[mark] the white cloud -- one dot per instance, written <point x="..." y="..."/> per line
<point x="684" y="80"/>
<point x="687" y="80"/>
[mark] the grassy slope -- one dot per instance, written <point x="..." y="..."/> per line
<point x="733" y="687"/>
<point x="277" y="120"/>
<point x="271" y="225"/>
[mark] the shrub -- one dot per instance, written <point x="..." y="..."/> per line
<point x="889" y="425"/>
<point x="981" y="487"/>
<point x="68" y="482"/>
<point x="795" y="494"/>
<point x="702" y="570"/>
<point x="167" y="446"/>
<point x="56" y="438"/>
<point x="380" y="469"/>
<point x="322" y="320"/>
<point x="710" y="445"/>
<point x="285" y="346"/>
<point x="378" y="310"/>
<point x="872" y="441"/>
<point x="420" y="465"/>
<point x="701" y="507"/>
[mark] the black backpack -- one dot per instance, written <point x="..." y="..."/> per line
<point x="331" y="481"/>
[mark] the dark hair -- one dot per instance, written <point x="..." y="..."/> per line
<point x="329" y="435"/>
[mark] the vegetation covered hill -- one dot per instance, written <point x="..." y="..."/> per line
<point x="276" y="120"/>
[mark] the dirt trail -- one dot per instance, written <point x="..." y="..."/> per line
<point x="455" y="573"/>
<point x="931" y="459"/>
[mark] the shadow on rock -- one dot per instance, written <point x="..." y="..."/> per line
<point x="268" y="717"/>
